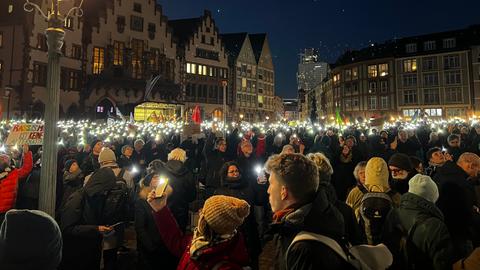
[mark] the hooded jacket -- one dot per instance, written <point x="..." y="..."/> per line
<point x="319" y="217"/>
<point x="9" y="183"/>
<point x="184" y="191"/>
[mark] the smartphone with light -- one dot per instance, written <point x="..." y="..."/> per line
<point x="161" y="187"/>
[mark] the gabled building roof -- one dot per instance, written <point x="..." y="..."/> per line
<point x="233" y="43"/>
<point x="257" y="41"/>
<point x="184" y="29"/>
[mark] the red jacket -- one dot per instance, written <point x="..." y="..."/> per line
<point x="233" y="253"/>
<point x="9" y="184"/>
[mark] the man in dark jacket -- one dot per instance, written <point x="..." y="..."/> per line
<point x="454" y="146"/>
<point x="298" y="207"/>
<point x="407" y="145"/>
<point x="429" y="245"/>
<point x="183" y="184"/>
<point x="214" y="158"/>
<point x="457" y="200"/>
<point x="401" y="171"/>
<point x="436" y="158"/>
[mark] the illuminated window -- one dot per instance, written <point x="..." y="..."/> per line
<point x="137" y="57"/>
<point x="372" y="71"/>
<point x="244" y="83"/>
<point x="384" y="102"/>
<point x="189" y="68"/>
<point x="194" y="69"/>
<point x="98" y="60"/>
<point x="410" y="65"/>
<point x="76" y="51"/>
<point x="210" y="69"/>
<point x="204" y="71"/>
<point x="100" y="109"/>
<point x="434" y="112"/>
<point x="68" y="23"/>
<point x="10" y="8"/>
<point x="118" y="48"/>
<point x="336" y="78"/>
<point x="383" y="70"/>
<point x="355" y="73"/>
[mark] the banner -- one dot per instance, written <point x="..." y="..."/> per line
<point x="20" y="134"/>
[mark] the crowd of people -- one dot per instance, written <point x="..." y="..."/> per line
<point x="294" y="197"/>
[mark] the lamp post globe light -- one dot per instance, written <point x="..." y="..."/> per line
<point x="55" y="36"/>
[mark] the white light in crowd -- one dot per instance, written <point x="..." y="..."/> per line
<point x="2" y="148"/>
<point x="280" y="135"/>
<point x="258" y="169"/>
<point x="294" y="135"/>
<point x="15" y="147"/>
<point x="134" y="170"/>
<point x="240" y="135"/>
<point x="444" y="149"/>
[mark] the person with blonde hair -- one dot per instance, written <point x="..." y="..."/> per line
<point x="354" y="198"/>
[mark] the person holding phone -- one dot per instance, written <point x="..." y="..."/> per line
<point x="215" y="243"/>
<point x="151" y="249"/>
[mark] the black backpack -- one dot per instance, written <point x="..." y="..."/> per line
<point x="116" y="203"/>
<point x="375" y="208"/>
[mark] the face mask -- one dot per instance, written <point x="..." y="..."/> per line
<point x="234" y="179"/>
<point x="400" y="176"/>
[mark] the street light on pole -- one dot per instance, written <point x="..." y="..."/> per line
<point x="8" y="93"/>
<point x="55" y="36"/>
<point x="224" y="84"/>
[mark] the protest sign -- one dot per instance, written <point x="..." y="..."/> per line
<point x="31" y="134"/>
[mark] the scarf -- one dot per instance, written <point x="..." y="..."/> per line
<point x="279" y="215"/>
<point x="200" y="243"/>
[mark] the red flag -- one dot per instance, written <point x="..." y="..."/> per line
<point x="196" y="118"/>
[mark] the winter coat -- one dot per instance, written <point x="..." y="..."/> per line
<point x="125" y="162"/>
<point x="342" y="178"/>
<point x="152" y="251"/>
<point x="211" y="170"/>
<point x="184" y="191"/>
<point x="243" y="190"/>
<point x="409" y="147"/>
<point x="232" y="253"/>
<point x="90" y="164"/>
<point x="354" y="199"/>
<point x="79" y="223"/>
<point x="319" y="217"/>
<point x="9" y="183"/>
<point x="456" y="202"/>
<point x="430" y="245"/>
<point x="71" y="183"/>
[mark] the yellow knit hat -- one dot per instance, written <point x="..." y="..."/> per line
<point x="224" y="214"/>
<point x="376" y="175"/>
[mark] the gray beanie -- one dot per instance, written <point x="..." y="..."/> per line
<point x="30" y="239"/>
<point x="423" y="186"/>
<point x="106" y="155"/>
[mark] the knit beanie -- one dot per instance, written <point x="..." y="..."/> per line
<point x="106" y="155"/>
<point x="30" y="239"/>
<point x="69" y="164"/>
<point x="94" y="142"/>
<point x="224" y="214"/>
<point x="423" y="186"/>
<point x="376" y="175"/>
<point x="177" y="154"/>
<point x="401" y="161"/>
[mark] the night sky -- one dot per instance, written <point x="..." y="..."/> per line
<point x="330" y="26"/>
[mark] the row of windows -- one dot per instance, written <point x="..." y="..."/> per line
<point x="432" y="96"/>
<point x="204" y="70"/>
<point x="431" y="63"/>
<point x="430" y="45"/>
<point x="377" y="70"/>
<point x="69" y="79"/>
<point x="374" y="103"/>
<point x="430" y="112"/>
<point x="204" y="91"/>
<point x="432" y="79"/>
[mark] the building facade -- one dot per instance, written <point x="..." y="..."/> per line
<point x="204" y="65"/>
<point x="436" y="75"/>
<point x="290" y="107"/>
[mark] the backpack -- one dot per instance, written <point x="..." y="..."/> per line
<point x="116" y="204"/>
<point x="408" y="252"/>
<point x="363" y="257"/>
<point x="374" y="209"/>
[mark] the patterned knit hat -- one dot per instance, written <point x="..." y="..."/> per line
<point x="224" y="214"/>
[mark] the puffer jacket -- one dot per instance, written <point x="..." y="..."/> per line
<point x="9" y="183"/>
<point x="430" y="245"/>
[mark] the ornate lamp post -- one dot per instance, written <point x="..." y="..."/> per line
<point x="55" y="35"/>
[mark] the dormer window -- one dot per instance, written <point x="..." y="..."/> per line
<point x="449" y="43"/>
<point x="411" y="48"/>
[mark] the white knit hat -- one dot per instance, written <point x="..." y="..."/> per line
<point x="423" y="186"/>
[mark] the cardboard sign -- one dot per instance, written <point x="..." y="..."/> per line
<point x="31" y="134"/>
<point x="191" y="129"/>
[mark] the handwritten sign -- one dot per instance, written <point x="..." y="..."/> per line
<point x="31" y="134"/>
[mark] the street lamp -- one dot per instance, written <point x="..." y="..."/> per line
<point x="55" y="35"/>
<point x="8" y="92"/>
